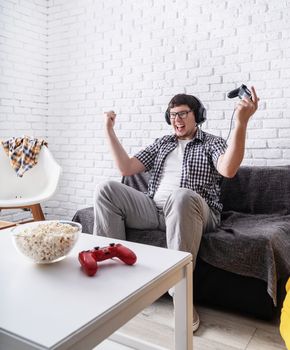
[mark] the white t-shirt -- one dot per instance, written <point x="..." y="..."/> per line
<point x="171" y="175"/>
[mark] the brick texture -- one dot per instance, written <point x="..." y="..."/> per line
<point x="63" y="63"/>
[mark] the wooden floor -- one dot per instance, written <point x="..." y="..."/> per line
<point x="218" y="330"/>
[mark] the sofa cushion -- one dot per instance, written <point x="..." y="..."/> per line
<point x="258" y="190"/>
<point x="151" y="237"/>
<point x="137" y="181"/>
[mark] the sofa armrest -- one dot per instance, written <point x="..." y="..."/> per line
<point x="86" y="218"/>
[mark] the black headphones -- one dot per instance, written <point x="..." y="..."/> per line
<point x="194" y="104"/>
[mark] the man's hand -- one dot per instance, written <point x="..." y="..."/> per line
<point x="246" y="108"/>
<point x="229" y="162"/>
<point x="110" y="119"/>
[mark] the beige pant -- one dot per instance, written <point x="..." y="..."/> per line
<point x="185" y="215"/>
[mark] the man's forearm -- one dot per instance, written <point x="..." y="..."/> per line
<point x="119" y="154"/>
<point x="230" y="161"/>
<point x="126" y="165"/>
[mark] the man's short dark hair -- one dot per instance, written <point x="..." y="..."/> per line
<point x="183" y="99"/>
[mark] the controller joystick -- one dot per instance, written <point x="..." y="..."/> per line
<point x="89" y="258"/>
<point x="240" y="92"/>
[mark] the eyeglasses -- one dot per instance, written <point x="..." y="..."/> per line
<point x="182" y="114"/>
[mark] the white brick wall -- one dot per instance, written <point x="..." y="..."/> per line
<point x="23" y="72"/>
<point x="23" y="79"/>
<point x="133" y="56"/>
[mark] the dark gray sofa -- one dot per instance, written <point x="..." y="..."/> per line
<point x="244" y="264"/>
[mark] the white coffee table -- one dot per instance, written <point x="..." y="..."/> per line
<point x="57" y="306"/>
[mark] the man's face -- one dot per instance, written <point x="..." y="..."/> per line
<point x="184" y="124"/>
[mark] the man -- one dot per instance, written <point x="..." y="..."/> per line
<point x="185" y="173"/>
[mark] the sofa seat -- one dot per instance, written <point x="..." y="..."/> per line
<point x="254" y="245"/>
<point x="244" y="264"/>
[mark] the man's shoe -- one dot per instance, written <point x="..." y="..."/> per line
<point x="195" y="320"/>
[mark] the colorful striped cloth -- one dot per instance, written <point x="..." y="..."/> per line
<point x="23" y="152"/>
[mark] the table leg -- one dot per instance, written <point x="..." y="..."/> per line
<point x="183" y="311"/>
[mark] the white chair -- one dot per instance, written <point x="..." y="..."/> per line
<point x="37" y="184"/>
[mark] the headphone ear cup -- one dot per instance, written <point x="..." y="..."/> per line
<point x="167" y="117"/>
<point x="201" y="113"/>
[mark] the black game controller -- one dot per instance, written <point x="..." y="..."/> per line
<point x="240" y="92"/>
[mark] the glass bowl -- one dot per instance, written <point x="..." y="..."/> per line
<point x="46" y="242"/>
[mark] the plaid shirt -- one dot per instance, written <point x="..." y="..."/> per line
<point x="198" y="168"/>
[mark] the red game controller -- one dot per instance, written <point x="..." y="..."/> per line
<point x="88" y="258"/>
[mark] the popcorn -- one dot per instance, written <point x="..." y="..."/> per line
<point x="47" y="242"/>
